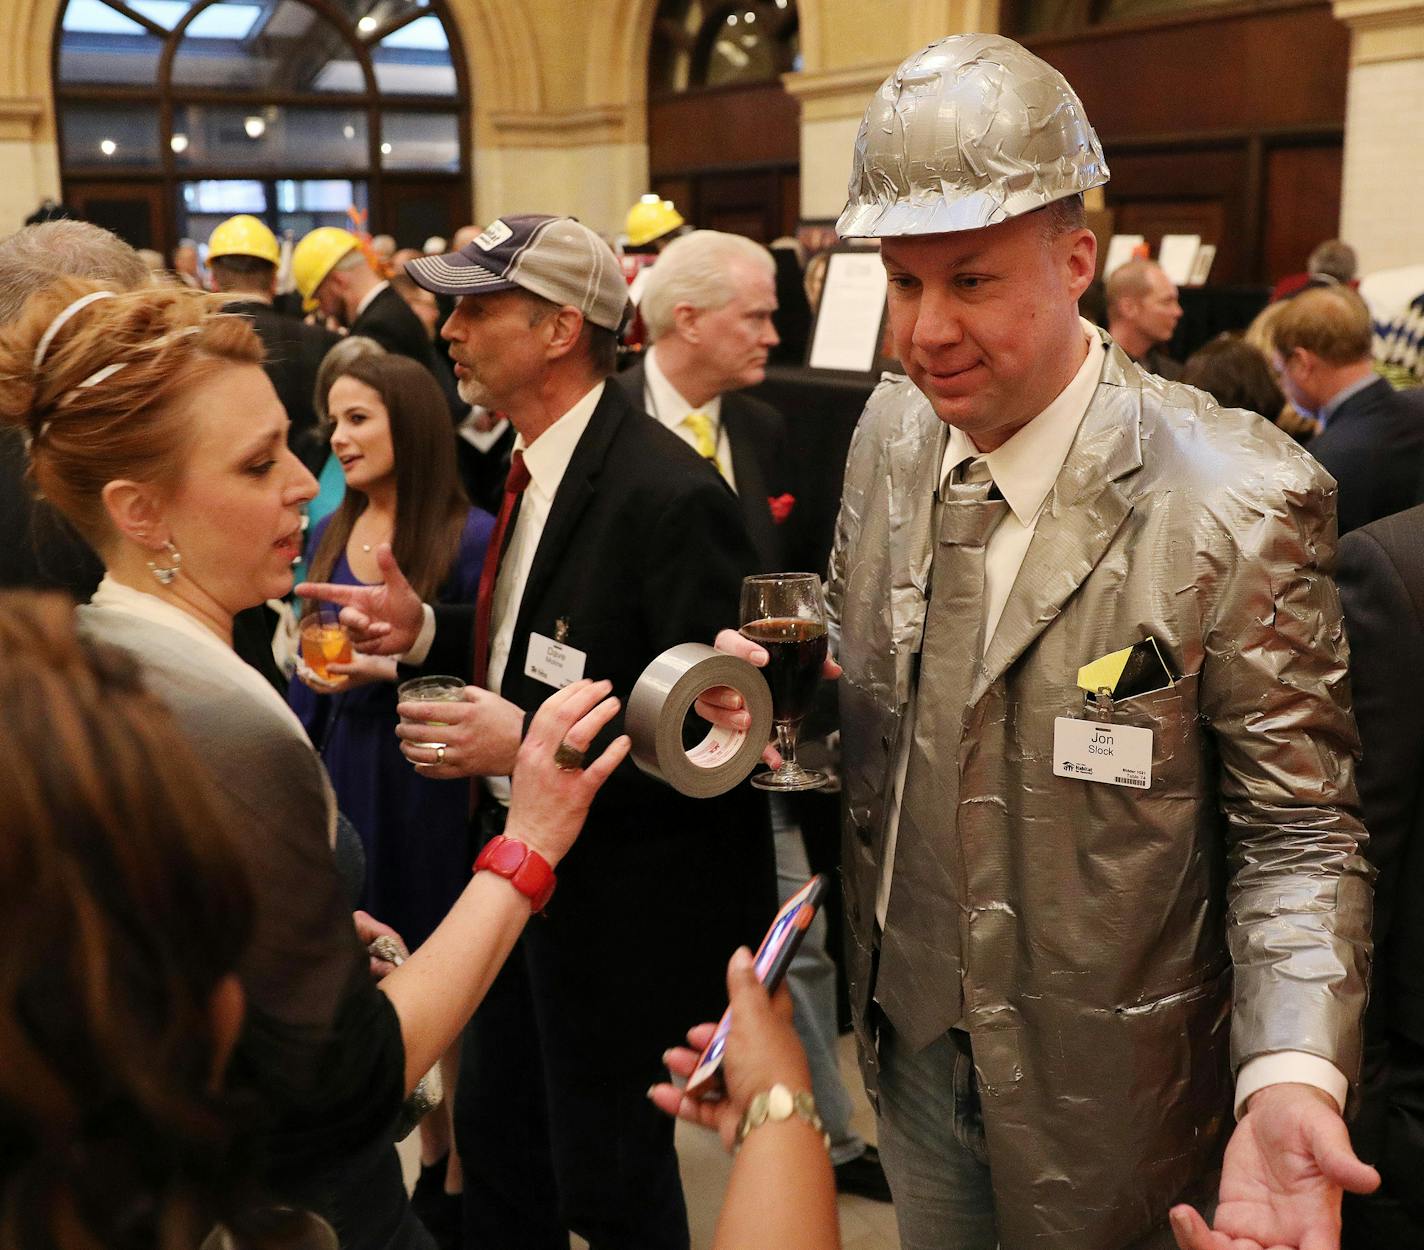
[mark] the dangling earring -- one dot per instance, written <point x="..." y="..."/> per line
<point x="167" y="575"/>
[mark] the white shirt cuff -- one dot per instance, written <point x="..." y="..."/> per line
<point x="1290" y="1067"/>
<point x="420" y="648"/>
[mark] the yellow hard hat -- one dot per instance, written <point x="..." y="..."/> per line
<point x="244" y="235"/>
<point x="651" y="218"/>
<point x="316" y="256"/>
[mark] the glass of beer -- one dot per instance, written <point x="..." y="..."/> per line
<point x="783" y="613"/>
<point x="325" y="641"/>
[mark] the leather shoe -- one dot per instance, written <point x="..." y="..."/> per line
<point x="863" y="1176"/>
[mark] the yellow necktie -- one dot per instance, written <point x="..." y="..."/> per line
<point x="700" y="424"/>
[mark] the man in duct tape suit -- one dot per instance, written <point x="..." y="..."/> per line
<point x="1063" y="988"/>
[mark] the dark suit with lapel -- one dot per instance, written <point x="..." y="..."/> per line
<point x="1373" y="446"/>
<point x="389" y="320"/>
<point x="1381" y="579"/>
<point x="761" y="466"/>
<point x="643" y="549"/>
<point x="293" y="352"/>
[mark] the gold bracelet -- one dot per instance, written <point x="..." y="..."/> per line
<point x="779" y="1103"/>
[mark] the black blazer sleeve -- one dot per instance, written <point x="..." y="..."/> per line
<point x="452" y="650"/>
<point x="1387" y="678"/>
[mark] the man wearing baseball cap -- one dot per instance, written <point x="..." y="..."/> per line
<point x="615" y="542"/>
<point x="1109" y="920"/>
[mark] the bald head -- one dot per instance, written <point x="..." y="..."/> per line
<point x="32" y="258"/>
<point x="1142" y="306"/>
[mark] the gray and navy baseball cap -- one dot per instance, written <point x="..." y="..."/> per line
<point x="556" y="257"/>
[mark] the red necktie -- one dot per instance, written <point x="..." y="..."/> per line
<point x="514" y="486"/>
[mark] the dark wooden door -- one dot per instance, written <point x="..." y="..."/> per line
<point x="133" y="210"/>
<point x="414" y="208"/>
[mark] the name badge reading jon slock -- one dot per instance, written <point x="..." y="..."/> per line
<point x="1116" y="755"/>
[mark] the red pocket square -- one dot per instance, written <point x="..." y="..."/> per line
<point x="780" y="506"/>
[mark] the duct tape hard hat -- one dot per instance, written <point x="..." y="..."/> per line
<point x="651" y="218"/>
<point x="968" y="132"/>
<point x="244" y="235"/>
<point x="316" y="256"/>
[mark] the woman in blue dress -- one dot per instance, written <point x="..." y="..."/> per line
<point x="390" y="432"/>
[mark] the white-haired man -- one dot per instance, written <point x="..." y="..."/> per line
<point x="708" y="305"/>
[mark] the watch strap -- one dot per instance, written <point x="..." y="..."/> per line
<point x="525" y="869"/>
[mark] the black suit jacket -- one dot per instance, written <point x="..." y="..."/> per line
<point x="389" y="320"/>
<point x="761" y="464"/>
<point x="1381" y="580"/>
<point x="1373" y="446"/>
<point x="643" y="549"/>
<point x="293" y="354"/>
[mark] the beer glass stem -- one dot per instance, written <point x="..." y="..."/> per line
<point x="787" y="732"/>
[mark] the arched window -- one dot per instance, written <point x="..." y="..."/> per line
<point x="174" y="114"/>
<point x="711" y="43"/>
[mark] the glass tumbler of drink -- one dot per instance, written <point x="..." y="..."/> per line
<point x="325" y="641"/>
<point x="435" y="689"/>
<point x="783" y="613"/>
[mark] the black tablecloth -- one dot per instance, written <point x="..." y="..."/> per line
<point x="1208" y="310"/>
<point x="821" y="411"/>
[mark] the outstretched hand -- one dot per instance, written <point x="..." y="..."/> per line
<point x="1281" y="1180"/>
<point x="382" y="619"/>
<point x="548" y="804"/>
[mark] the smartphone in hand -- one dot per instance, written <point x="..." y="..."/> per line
<point x="773" y="958"/>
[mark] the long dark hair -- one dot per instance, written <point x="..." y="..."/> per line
<point x="430" y="502"/>
<point x="126" y="904"/>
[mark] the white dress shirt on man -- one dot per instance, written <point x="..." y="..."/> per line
<point x="669" y="408"/>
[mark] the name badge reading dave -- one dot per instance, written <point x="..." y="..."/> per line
<point x="1116" y="755"/>
<point x="554" y="663"/>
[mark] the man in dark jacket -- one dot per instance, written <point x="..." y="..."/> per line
<point x="243" y="257"/>
<point x="621" y="543"/>
<point x="1381" y="578"/>
<point x="1372" y="442"/>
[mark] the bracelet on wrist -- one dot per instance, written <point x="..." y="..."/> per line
<point x="525" y="869"/>
<point x="779" y="1103"/>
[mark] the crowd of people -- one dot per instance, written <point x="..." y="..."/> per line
<point x="1127" y="754"/>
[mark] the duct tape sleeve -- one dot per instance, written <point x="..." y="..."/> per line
<point x="660" y="702"/>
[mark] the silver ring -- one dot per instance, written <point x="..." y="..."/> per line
<point x="567" y="759"/>
<point x="439" y="752"/>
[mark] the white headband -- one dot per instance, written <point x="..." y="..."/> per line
<point x="58" y="323"/>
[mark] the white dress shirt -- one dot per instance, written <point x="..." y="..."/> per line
<point x="547" y="459"/>
<point x="669" y="408"/>
<point x="1025" y="469"/>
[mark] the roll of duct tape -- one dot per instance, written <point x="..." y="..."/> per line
<point x="659" y="704"/>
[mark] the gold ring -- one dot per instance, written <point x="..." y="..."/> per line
<point x="439" y="752"/>
<point x="566" y="758"/>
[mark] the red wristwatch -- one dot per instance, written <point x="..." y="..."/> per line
<point x="527" y="870"/>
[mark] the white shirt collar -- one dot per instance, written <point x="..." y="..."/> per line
<point x="547" y="458"/>
<point x="369" y="296"/>
<point x="1027" y="465"/>
<point x="669" y="407"/>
